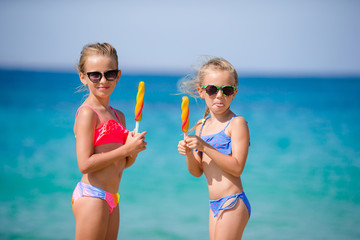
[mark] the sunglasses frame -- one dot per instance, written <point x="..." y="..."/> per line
<point x="103" y="74"/>
<point x="219" y="88"/>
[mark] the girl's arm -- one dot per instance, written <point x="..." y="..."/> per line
<point x="233" y="164"/>
<point x="89" y="161"/>
<point x="130" y="160"/>
<point x="193" y="163"/>
<point x="193" y="158"/>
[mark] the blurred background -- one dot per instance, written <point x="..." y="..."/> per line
<point x="299" y="79"/>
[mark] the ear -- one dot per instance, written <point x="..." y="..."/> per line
<point x="235" y="92"/>
<point x="118" y="76"/>
<point x="82" y="77"/>
<point x="201" y="92"/>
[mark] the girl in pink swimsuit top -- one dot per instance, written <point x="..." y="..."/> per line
<point x="101" y="163"/>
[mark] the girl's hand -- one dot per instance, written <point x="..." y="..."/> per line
<point x="182" y="148"/>
<point x="136" y="142"/>
<point x="194" y="142"/>
<point x="193" y="160"/>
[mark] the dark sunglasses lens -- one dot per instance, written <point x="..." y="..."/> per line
<point x="211" y="90"/>
<point x="111" y="75"/>
<point x="228" y="90"/>
<point x="95" y="76"/>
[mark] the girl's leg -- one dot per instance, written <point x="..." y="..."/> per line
<point x="92" y="217"/>
<point x="212" y="225"/>
<point x="113" y="226"/>
<point x="231" y="223"/>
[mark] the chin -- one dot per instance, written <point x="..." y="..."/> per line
<point x="220" y="110"/>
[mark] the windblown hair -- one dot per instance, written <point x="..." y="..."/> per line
<point x="190" y="83"/>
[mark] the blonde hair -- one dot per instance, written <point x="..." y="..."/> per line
<point x="190" y="83"/>
<point x="102" y="49"/>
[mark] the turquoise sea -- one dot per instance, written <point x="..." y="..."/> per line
<point x="302" y="175"/>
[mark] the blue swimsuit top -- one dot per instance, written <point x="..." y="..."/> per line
<point x="220" y="141"/>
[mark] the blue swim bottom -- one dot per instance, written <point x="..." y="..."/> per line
<point x="217" y="205"/>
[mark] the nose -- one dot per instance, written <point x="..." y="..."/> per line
<point x="103" y="79"/>
<point x="219" y="94"/>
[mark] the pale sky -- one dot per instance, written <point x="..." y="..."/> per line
<point x="259" y="37"/>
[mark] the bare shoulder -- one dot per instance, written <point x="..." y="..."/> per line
<point x="239" y="121"/>
<point x="238" y="125"/>
<point x="198" y="126"/>
<point x="200" y="122"/>
<point x="86" y="112"/>
<point x="121" y="115"/>
<point x="86" y="116"/>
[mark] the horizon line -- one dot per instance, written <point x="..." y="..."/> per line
<point x="178" y="72"/>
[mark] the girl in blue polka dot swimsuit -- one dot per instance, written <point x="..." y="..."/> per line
<point x="219" y="148"/>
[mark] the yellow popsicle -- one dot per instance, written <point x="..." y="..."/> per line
<point x="185" y="114"/>
<point x="139" y="101"/>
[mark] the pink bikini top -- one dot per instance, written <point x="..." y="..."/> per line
<point x="109" y="131"/>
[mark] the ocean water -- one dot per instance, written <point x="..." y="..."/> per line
<point x="302" y="175"/>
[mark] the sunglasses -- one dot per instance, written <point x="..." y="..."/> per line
<point x="96" y="77"/>
<point x="213" y="90"/>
